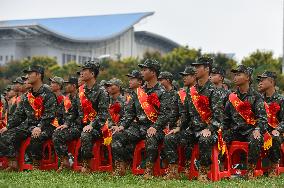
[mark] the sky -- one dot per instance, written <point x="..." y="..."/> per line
<point x="227" y="26"/>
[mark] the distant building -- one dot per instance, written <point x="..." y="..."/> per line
<point x="79" y="38"/>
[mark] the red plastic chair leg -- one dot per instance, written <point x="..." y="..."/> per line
<point x="21" y="156"/>
<point x="49" y="162"/>
<point x="99" y="162"/>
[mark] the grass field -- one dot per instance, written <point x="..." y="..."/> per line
<point x="39" y="179"/>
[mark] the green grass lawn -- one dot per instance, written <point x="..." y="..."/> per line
<point x="38" y="179"/>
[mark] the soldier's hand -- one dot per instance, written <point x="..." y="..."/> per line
<point x="275" y="133"/>
<point x="151" y="131"/>
<point x="87" y="128"/>
<point x="206" y="132"/>
<point x="256" y="134"/>
<point x="62" y="127"/>
<point x="36" y="132"/>
<point x="171" y="132"/>
<point x="114" y="129"/>
<point x="4" y="129"/>
<point x="121" y="128"/>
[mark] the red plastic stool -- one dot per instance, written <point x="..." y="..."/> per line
<point x="21" y="157"/>
<point x="137" y="159"/>
<point x="49" y="162"/>
<point x="99" y="162"/>
<point x="215" y="174"/>
<point x="236" y="147"/>
<point x="3" y="162"/>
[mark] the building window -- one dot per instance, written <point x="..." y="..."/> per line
<point x="12" y="58"/>
<point x="68" y="58"/>
<point x="1" y="57"/>
<point x="7" y="58"/>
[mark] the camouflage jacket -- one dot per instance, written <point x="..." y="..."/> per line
<point x="100" y="103"/>
<point x="4" y="107"/>
<point x="121" y="101"/>
<point x="25" y="114"/>
<point x="174" y="108"/>
<point x="191" y="116"/>
<point x="70" y="115"/>
<point x="235" y="122"/>
<point x="279" y="99"/>
<point x="134" y="111"/>
<point x="224" y="95"/>
<point x="60" y="109"/>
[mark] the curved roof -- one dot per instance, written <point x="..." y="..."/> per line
<point x="82" y="28"/>
<point x="168" y="41"/>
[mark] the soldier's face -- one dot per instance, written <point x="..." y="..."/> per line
<point x="33" y="77"/>
<point x="80" y="81"/>
<point x="188" y="80"/>
<point x="68" y="88"/>
<point x="27" y="85"/>
<point x="86" y="75"/>
<point x="134" y="83"/>
<point x="113" y="89"/>
<point x="216" y="78"/>
<point x="240" y="78"/>
<point x="265" y="83"/>
<point x="164" y="82"/>
<point x="54" y="86"/>
<point x="11" y="94"/>
<point x="201" y="70"/>
<point x="147" y="74"/>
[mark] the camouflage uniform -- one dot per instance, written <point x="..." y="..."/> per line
<point x="100" y="103"/>
<point x="191" y="117"/>
<point x="172" y="141"/>
<point x="136" y="124"/>
<point x="23" y="121"/>
<point x="236" y="127"/>
<point x="70" y="118"/>
<point x="274" y="152"/>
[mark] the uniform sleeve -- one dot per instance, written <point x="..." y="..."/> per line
<point x="49" y="112"/>
<point x="18" y="117"/>
<point x="163" y="113"/>
<point x="280" y="128"/>
<point x="217" y="109"/>
<point x="260" y="114"/>
<point x="174" y="111"/>
<point x="184" y="112"/>
<point x="72" y="114"/>
<point x="129" y="113"/>
<point x="102" y="113"/>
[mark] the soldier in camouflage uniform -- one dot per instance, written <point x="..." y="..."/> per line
<point x="56" y="85"/>
<point x="135" y="81"/>
<point x="93" y="117"/>
<point x="275" y="104"/>
<point x="173" y="129"/>
<point x="70" y="129"/>
<point x="239" y="127"/>
<point x="178" y="134"/>
<point x="18" y="87"/>
<point x="217" y="77"/>
<point x="204" y="113"/>
<point x="3" y="111"/>
<point x="136" y="125"/>
<point x="33" y="117"/>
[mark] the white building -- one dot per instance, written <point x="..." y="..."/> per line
<point x="79" y="38"/>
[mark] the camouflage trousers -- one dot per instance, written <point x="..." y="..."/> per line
<point x="87" y="143"/>
<point x="274" y="153"/>
<point x="34" y="150"/>
<point x="123" y="143"/>
<point x="171" y="143"/>
<point x="255" y="145"/>
<point x="10" y="141"/>
<point x="61" y="137"/>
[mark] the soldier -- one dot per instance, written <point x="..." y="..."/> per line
<point x="33" y="117"/>
<point x="274" y="107"/>
<point x="70" y="129"/>
<point x="245" y="116"/>
<point x="145" y="118"/>
<point x="56" y="85"/>
<point x="179" y="134"/>
<point x="204" y="109"/>
<point x="217" y="77"/>
<point x="3" y="111"/>
<point x="171" y="139"/>
<point x="27" y="86"/>
<point x="18" y="87"/>
<point x="93" y="110"/>
<point x="135" y="81"/>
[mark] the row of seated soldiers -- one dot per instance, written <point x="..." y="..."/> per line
<point x="204" y="112"/>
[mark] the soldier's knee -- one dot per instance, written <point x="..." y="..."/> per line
<point x="85" y="136"/>
<point x="206" y="140"/>
<point x="170" y="138"/>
